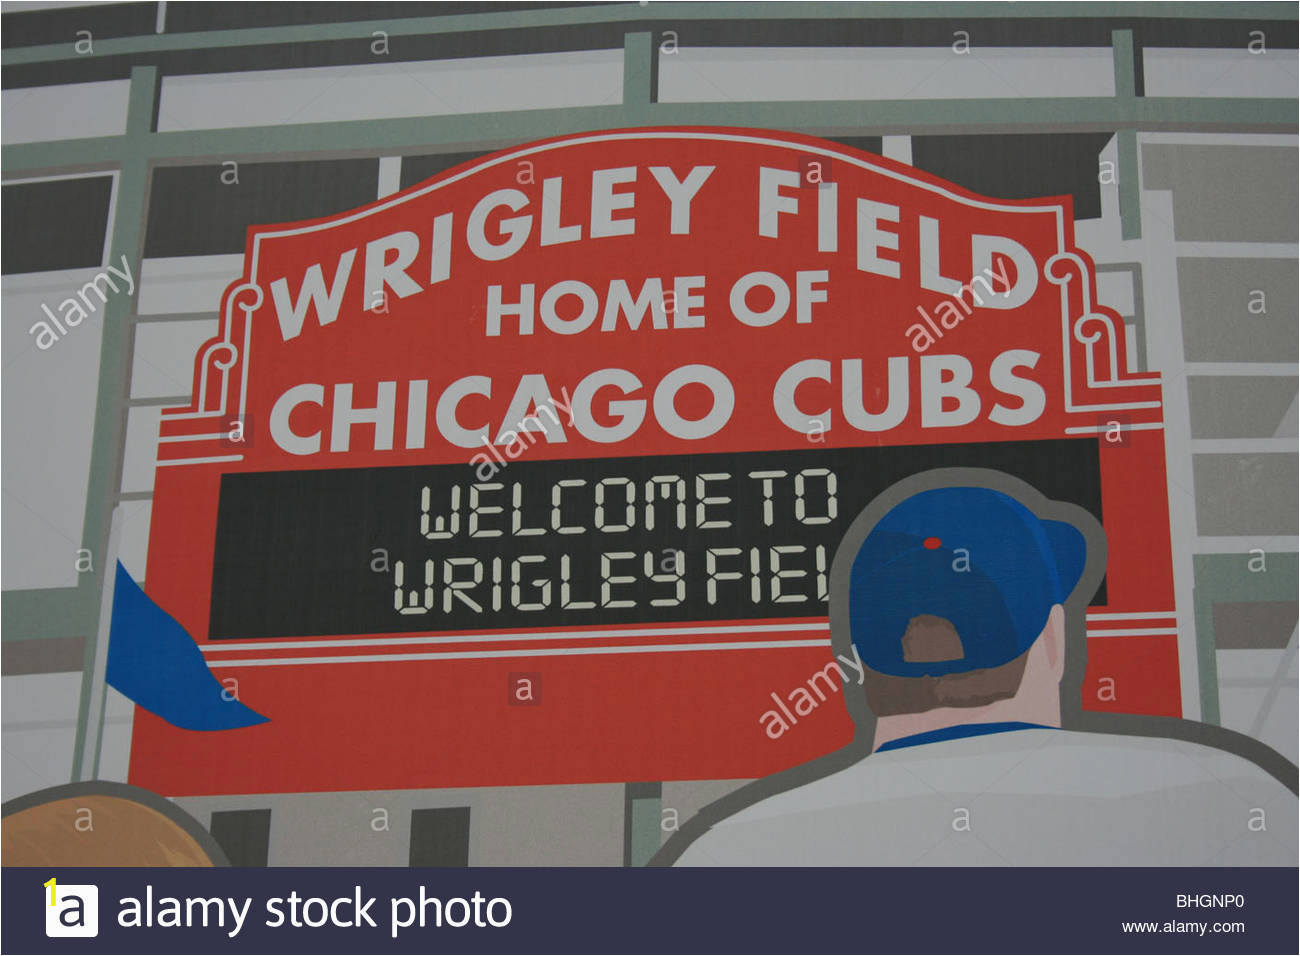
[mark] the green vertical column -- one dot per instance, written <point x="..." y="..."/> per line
<point x="108" y="436"/>
<point x="1207" y="662"/>
<point x="1130" y="202"/>
<point x="640" y="74"/>
<point x="642" y="816"/>
<point x="1238" y="578"/>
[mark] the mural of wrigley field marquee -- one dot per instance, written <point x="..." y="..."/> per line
<point x="735" y="363"/>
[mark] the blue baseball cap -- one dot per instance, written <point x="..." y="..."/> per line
<point x="975" y="556"/>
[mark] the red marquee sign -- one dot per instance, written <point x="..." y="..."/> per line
<point x="587" y="418"/>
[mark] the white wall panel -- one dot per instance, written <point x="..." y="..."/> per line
<point x="68" y="111"/>
<point x="163" y="363"/>
<point x="391" y="90"/>
<point x="1219" y="72"/>
<point x="186" y="284"/>
<point x="745" y="74"/>
<point x="141" y="454"/>
<point x="48" y="418"/>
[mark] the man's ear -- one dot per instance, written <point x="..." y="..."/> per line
<point x="1053" y="638"/>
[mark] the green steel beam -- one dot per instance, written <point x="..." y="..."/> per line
<point x="1121" y="45"/>
<point x="28" y="615"/>
<point x="1130" y="197"/>
<point x="634" y="15"/>
<point x="388" y="136"/>
<point x="638" y="71"/>
<point x="646" y="836"/>
<point x="110" y="404"/>
<point x="1229" y="577"/>
<point x="72" y="155"/>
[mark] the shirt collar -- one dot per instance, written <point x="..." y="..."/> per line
<point x="957" y="731"/>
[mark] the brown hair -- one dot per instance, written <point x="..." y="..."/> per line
<point x="930" y="639"/>
<point x="97" y="830"/>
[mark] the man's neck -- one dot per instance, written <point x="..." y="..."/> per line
<point x="898" y="726"/>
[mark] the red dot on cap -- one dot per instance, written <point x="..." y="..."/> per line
<point x="931" y="543"/>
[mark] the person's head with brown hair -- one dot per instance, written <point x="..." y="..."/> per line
<point x="102" y="824"/>
<point x="955" y="608"/>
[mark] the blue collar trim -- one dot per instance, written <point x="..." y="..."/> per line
<point x="958" y="731"/>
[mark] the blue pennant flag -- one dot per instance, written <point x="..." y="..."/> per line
<point x="155" y="662"/>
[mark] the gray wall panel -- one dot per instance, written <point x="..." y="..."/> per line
<point x="1242" y="406"/>
<point x="1226" y="193"/>
<point x="1246" y="494"/>
<point x="1215" y="297"/>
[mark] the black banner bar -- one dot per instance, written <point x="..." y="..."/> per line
<point x="570" y="543"/>
<point x="870" y="910"/>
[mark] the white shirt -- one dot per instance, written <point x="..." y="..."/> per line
<point x="1032" y="797"/>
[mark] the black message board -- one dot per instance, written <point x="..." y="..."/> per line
<point x="570" y="543"/>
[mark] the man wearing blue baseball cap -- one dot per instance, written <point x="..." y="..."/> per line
<point x="955" y="592"/>
<point x="948" y="594"/>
